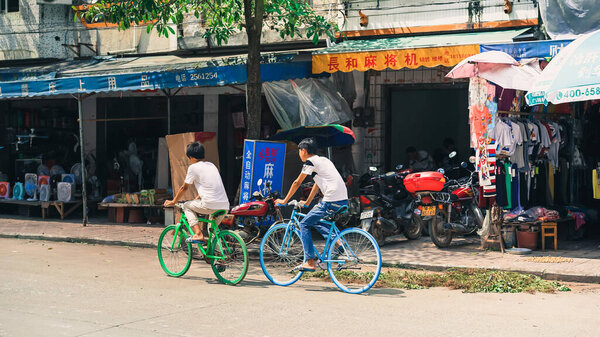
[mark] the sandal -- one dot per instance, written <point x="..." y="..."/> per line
<point x="301" y="267"/>
<point x="192" y="240"/>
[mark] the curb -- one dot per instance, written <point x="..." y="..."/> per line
<point x="79" y="240"/>
<point x="255" y="252"/>
<point x="543" y="275"/>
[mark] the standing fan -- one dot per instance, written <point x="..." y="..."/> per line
<point x="31" y="183"/>
<point x="18" y="191"/>
<point x="44" y="192"/>
<point x="43" y="180"/>
<point x="57" y="169"/>
<point x="4" y="190"/>
<point x="31" y="191"/>
<point x="42" y="170"/>
<point x="76" y="172"/>
<point x="64" y="191"/>
<point x="68" y="178"/>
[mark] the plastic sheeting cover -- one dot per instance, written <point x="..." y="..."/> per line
<point x="566" y="19"/>
<point x="306" y="102"/>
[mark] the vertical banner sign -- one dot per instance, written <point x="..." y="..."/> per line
<point x="262" y="160"/>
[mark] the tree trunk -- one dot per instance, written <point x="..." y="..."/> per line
<point x="253" y="87"/>
<point x="254" y="22"/>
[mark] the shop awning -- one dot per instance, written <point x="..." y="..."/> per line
<point x="142" y="73"/>
<point x="405" y="52"/>
<point x="531" y="49"/>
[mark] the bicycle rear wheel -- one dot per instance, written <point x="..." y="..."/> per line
<point x="174" y="254"/>
<point x="358" y="261"/>
<point x="281" y="251"/>
<point x="233" y="268"/>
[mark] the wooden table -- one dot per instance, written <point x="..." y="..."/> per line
<point x="59" y="205"/>
<point x="538" y="223"/>
<point x="118" y="212"/>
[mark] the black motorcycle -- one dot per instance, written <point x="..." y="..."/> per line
<point x="388" y="208"/>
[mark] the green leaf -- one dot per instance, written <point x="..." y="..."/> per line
<point x="171" y="30"/>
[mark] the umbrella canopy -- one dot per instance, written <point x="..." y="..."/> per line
<point x="572" y="76"/>
<point x="325" y="135"/>
<point x="498" y="67"/>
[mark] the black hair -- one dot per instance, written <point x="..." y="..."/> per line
<point x="309" y="144"/>
<point x="195" y="150"/>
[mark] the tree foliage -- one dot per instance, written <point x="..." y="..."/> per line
<point x="221" y="18"/>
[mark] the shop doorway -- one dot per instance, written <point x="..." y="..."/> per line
<point x="423" y="117"/>
<point x="140" y="121"/>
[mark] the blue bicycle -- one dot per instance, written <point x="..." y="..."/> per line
<point x="352" y="256"/>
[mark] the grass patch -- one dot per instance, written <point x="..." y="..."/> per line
<point x="468" y="280"/>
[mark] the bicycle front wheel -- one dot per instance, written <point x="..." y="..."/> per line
<point x="174" y="254"/>
<point x="355" y="261"/>
<point x="281" y="251"/>
<point x="233" y="266"/>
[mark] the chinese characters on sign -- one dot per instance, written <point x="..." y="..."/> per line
<point x="265" y="161"/>
<point x="394" y="59"/>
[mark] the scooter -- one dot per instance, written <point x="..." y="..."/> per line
<point x="254" y="218"/>
<point x="452" y="204"/>
<point x="388" y="208"/>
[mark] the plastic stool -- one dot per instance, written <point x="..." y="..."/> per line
<point x="549" y="229"/>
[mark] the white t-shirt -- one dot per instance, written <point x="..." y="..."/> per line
<point x="327" y="177"/>
<point x="205" y="176"/>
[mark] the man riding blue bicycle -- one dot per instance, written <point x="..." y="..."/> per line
<point x="335" y="195"/>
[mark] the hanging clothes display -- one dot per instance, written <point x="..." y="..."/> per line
<point x="595" y="184"/>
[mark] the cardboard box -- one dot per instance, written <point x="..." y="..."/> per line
<point x="179" y="161"/>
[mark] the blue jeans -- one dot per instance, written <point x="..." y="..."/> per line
<point x="313" y="218"/>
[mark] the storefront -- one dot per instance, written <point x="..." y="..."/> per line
<point x="534" y="160"/>
<point x="125" y="107"/>
<point x="405" y="85"/>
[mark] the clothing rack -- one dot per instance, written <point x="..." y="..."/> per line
<point x="553" y="114"/>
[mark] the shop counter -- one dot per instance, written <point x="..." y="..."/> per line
<point x="121" y="213"/>
<point x="64" y="208"/>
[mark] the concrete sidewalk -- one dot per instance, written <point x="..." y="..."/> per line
<point x="585" y="255"/>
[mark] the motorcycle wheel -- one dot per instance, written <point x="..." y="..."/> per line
<point x="378" y="235"/>
<point x="441" y="237"/>
<point x="415" y="229"/>
<point x="426" y="226"/>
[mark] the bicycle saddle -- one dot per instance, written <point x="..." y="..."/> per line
<point x="218" y="213"/>
<point x="333" y="217"/>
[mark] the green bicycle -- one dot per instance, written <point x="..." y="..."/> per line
<point x="226" y="251"/>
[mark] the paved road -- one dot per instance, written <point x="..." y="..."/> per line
<point x="65" y="289"/>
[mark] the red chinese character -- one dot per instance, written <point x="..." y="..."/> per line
<point x="371" y="61"/>
<point x="411" y="59"/>
<point x="390" y="60"/>
<point x="274" y="152"/>
<point x="268" y="152"/>
<point x="351" y="63"/>
<point x="333" y="63"/>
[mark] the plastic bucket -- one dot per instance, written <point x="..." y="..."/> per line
<point x="527" y="239"/>
<point x="508" y="235"/>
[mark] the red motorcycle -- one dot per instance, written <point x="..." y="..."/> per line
<point x="255" y="217"/>
<point x="452" y="205"/>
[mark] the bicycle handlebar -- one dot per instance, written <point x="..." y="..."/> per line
<point x="294" y="203"/>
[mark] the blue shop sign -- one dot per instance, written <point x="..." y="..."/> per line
<point x="524" y="50"/>
<point x="262" y="160"/>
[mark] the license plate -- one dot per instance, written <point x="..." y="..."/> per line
<point x="428" y="211"/>
<point x="366" y="215"/>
